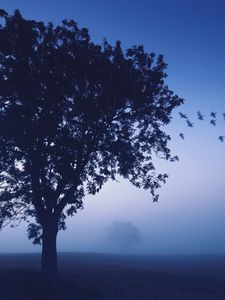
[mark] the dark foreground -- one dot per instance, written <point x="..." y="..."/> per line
<point x="98" y="276"/>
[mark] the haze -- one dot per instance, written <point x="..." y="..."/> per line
<point x="189" y="217"/>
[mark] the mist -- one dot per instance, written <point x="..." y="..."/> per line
<point x="189" y="217"/>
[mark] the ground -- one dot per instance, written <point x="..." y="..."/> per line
<point x="115" y="277"/>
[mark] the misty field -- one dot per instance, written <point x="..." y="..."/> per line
<point x="102" y="276"/>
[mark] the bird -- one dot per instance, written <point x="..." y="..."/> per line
<point x="182" y="115"/>
<point x="224" y="116"/>
<point x="181" y="135"/>
<point x="189" y="124"/>
<point x="213" y="114"/>
<point x="200" y="116"/>
<point x="213" y="122"/>
<point x="221" y="138"/>
<point x="3" y="13"/>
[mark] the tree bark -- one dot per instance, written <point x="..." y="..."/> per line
<point x="49" y="253"/>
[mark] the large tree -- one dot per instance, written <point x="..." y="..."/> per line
<point x="74" y="114"/>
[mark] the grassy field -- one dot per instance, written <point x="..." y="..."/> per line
<point x="114" y="277"/>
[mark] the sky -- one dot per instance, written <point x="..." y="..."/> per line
<point x="189" y="217"/>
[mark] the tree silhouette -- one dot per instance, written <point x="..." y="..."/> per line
<point x="123" y="234"/>
<point x="73" y="115"/>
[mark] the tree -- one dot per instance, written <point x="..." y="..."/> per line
<point x="75" y="114"/>
<point x="123" y="234"/>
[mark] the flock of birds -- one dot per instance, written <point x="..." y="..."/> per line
<point x="201" y="118"/>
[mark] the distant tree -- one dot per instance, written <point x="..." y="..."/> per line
<point x="123" y="234"/>
<point x="74" y="114"/>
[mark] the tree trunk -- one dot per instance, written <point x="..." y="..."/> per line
<point x="49" y="253"/>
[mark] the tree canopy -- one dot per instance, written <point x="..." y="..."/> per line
<point x="73" y="115"/>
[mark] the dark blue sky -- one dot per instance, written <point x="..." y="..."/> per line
<point x="190" y="215"/>
<point x="189" y="33"/>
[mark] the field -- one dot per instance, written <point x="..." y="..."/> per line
<point x="115" y="277"/>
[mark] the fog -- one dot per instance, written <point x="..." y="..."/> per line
<point x="189" y="217"/>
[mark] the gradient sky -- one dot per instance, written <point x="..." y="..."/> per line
<point x="189" y="217"/>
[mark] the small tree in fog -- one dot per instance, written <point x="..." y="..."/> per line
<point x="123" y="234"/>
<point x="73" y="115"/>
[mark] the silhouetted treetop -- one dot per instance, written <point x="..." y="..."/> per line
<point x="75" y="114"/>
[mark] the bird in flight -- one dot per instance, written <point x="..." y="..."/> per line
<point x="213" y="122"/>
<point x="224" y="116"/>
<point x="181" y="135"/>
<point x="182" y="115"/>
<point x="213" y="114"/>
<point x="200" y="116"/>
<point x="189" y="124"/>
<point x="3" y="13"/>
<point x="221" y="138"/>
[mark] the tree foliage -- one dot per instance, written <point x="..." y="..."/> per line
<point x="74" y="114"/>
